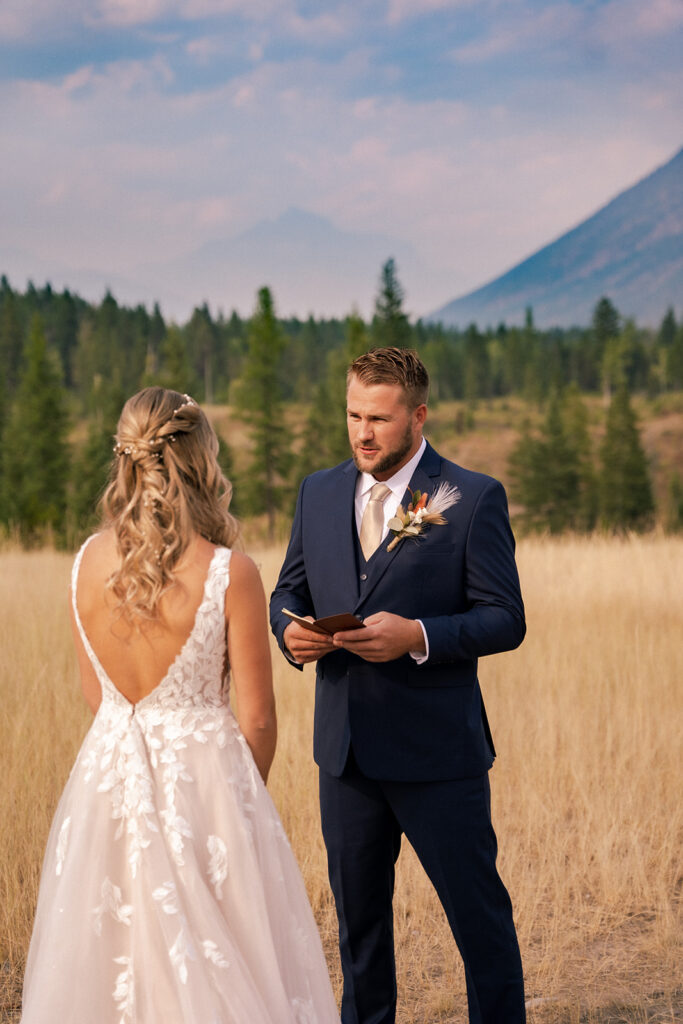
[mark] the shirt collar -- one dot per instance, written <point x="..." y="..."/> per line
<point x="397" y="483"/>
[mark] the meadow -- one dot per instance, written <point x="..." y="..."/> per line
<point x="586" y="789"/>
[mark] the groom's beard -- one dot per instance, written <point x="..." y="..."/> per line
<point x="386" y="460"/>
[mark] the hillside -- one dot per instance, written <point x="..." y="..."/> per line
<point x="493" y="428"/>
<point x="630" y="250"/>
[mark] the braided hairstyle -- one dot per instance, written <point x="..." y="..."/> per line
<point x="165" y="484"/>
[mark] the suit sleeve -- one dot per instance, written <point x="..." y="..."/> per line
<point x="291" y="590"/>
<point x="494" y="618"/>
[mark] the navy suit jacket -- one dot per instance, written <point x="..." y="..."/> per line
<point x="406" y="722"/>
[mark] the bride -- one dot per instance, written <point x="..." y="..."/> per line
<point x="169" y="890"/>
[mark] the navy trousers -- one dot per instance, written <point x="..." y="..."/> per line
<point x="449" y="826"/>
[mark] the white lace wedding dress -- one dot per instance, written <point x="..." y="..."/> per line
<point x="169" y="893"/>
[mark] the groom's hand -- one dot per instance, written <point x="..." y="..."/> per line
<point x="384" y="638"/>
<point x="304" y="645"/>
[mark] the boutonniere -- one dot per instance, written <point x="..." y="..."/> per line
<point x="421" y="512"/>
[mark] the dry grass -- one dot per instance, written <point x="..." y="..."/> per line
<point x="586" y="717"/>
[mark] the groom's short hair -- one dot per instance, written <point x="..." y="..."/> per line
<point x="393" y="365"/>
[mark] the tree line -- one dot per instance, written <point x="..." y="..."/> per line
<point x="67" y="366"/>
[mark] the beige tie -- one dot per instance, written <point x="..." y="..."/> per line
<point x="372" y="523"/>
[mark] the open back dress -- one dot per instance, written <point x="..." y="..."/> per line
<point x="169" y="892"/>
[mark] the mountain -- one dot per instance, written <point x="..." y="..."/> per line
<point x="311" y="265"/>
<point x="630" y="250"/>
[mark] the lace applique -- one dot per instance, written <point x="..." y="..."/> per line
<point x="127" y="779"/>
<point x="213" y="953"/>
<point x="218" y="864"/>
<point x="244" y="782"/>
<point x="303" y="1011"/>
<point x="112" y="904"/>
<point x="181" y="951"/>
<point x="166" y="740"/>
<point x="304" y="953"/>
<point x="167" y="895"/>
<point x="62" y="843"/>
<point x="124" y="989"/>
<point x="183" y="948"/>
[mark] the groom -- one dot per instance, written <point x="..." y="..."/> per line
<point x="401" y="735"/>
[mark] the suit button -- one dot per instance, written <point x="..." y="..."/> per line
<point x="363" y="576"/>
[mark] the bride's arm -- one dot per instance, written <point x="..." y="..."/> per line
<point x="90" y="684"/>
<point x="249" y="657"/>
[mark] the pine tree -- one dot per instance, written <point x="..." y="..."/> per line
<point x="35" y="452"/>
<point x="605" y="331"/>
<point x="390" y="324"/>
<point x="259" y="399"/>
<point x="545" y="474"/>
<point x="154" y="338"/>
<point x="667" y="329"/>
<point x="534" y="372"/>
<point x="552" y="473"/>
<point x="91" y="465"/>
<point x="227" y="463"/>
<point x="11" y="337"/>
<point x="175" y="371"/>
<point x="674" y="360"/>
<point x="477" y="369"/>
<point x="624" y="361"/>
<point x="201" y="343"/>
<point x="525" y="467"/>
<point x="64" y="333"/>
<point x="231" y="349"/>
<point x="575" y="419"/>
<point x="606" y="322"/>
<point x="326" y="438"/>
<point x="626" y="501"/>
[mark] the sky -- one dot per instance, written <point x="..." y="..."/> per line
<point x="184" y="151"/>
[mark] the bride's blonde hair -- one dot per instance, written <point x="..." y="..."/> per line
<point x="165" y="484"/>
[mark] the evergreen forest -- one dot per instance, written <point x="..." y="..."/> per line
<point x="275" y="390"/>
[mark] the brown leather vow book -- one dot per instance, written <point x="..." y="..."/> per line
<point x="330" y="624"/>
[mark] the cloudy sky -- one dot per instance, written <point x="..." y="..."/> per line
<point x="191" y="150"/>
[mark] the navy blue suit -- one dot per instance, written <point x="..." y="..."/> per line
<point x="402" y="747"/>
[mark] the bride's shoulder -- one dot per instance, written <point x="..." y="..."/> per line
<point x="97" y="547"/>
<point x="242" y="567"/>
<point x="245" y="579"/>
<point x="92" y="566"/>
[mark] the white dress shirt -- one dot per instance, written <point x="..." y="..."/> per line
<point x="397" y="485"/>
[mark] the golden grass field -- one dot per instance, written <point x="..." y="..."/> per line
<point x="586" y="790"/>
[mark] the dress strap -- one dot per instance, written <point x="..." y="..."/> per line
<point x="218" y="578"/>
<point x="74" y="605"/>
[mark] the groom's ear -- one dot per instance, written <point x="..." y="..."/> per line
<point x="420" y="414"/>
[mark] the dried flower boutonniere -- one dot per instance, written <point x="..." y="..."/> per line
<point x="422" y="512"/>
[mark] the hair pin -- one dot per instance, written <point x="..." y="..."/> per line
<point x="189" y="401"/>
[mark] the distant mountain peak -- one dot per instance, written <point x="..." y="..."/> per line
<point x="631" y="250"/>
<point x="310" y="263"/>
<point x="294" y="217"/>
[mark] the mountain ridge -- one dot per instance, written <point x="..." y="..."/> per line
<point x="630" y="249"/>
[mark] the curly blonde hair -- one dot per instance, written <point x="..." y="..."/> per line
<point x="165" y="484"/>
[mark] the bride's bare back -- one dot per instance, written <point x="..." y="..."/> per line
<point x="137" y="656"/>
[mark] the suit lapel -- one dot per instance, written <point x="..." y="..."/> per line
<point x="340" y="530"/>
<point x="427" y="468"/>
